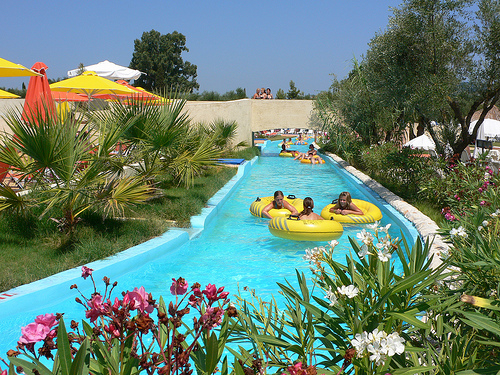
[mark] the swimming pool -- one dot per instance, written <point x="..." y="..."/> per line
<point x="235" y="249"/>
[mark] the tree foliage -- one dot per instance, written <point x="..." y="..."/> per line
<point x="436" y="63"/>
<point x="159" y="56"/>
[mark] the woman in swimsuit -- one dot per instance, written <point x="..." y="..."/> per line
<point x="307" y="213"/>
<point x="278" y="203"/>
<point x="345" y="206"/>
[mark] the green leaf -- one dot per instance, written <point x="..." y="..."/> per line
<point x="272" y="340"/>
<point x="212" y="358"/>
<point x="63" y="348"/>
<point x="409" y="318"/>
<point x="480" y="322"/>
<point x="80" y="365"/>
<point x="26" y="365"/>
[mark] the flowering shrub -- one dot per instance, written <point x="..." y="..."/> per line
<point x="460" y="186"/>
<point x="122" y="336"/>
<point x="365" y="319"/>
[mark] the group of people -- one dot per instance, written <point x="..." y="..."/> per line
<point x="311" y="154"/>
<point x="263" y="94"/>
<point x="344" y="206"/>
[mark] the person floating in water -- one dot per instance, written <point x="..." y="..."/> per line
<point x="307" y="213"/>
<point x="344" y="205"/>
<point x="279" y="203"/>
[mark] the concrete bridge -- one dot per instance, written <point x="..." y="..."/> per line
<point x="250" y="115"/>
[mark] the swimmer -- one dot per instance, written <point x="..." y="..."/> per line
<point x="279" y="203"/>
<point x="307" y="213"/>
<point x="344" y="205"/>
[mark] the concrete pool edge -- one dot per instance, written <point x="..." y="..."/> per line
<point x="129" y="259"/>
<point x="426" y="227"/>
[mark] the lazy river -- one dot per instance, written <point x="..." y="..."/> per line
<point x="234" y="250"/>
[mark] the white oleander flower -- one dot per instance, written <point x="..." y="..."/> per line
<point x="394" y="344"/>
<point x="365" y="237"/>
<point x="312" y="254"/>
<point x="333" y="243"/>
<point x="385" y="229"/>
<point x="373" y="226"/>
<point x="364" y="251"/>
<point x="359" y="342"/>
<point x="384" y="255"/>
<point x="480" y="228"/>
<point x="485" y="223"/>
<point x="330" y="295"/>
<point x="376" y="353"/>
<point x="350" y="290"/>
<point x="460" y="231"/>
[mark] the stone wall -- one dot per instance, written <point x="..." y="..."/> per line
<point x="254" y="115"/>
<point x="7" y="105"/>
<point x="251" y="115"/>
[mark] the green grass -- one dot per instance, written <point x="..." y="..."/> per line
<point x="32" y="248"/>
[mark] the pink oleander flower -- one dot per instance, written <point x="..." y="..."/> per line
<point x="179" y="286"/>
<point x="457" y="197"/>
<point x="38" y="330"/>
<point x="480" y="190"/>
<point x="213" y="294"/>
<point x="112" y="330"/>
<point x="97" y="308"/>
<point x="138" y="300"/>
<point x="4" y="372"/>
<point x="86" y="272"/>
<point x="48" y="320"/>
<point x="212" y="317"/>
<point x="296" y="369"/>
<point x="482" y="203"/>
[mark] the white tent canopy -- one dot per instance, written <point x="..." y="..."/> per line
<point x="109" y="70"/>
<point x="422" y="142"/>
<point x="488" y="129"/>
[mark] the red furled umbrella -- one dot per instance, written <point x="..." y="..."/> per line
<point x="38" y="96"/>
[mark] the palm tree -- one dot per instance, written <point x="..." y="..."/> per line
<point x="66" y="164"/>
<point x="163" y="139"/>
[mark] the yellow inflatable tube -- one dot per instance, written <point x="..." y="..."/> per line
<point x="308" y="161"/>
<point x="260" y="203"/>
<point x="305" y="230"/>
<point x="371" y="213"/>
<point x="286" y="154"/>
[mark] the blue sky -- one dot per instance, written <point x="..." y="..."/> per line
<point x="234" y="44"/>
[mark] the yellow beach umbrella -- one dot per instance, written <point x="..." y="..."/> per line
<point x="7" y="95"/>
<point x="89" y="83"/>
<point x="10" y="69"/>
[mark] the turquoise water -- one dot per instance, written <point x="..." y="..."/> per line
<point x="236" y="249"/>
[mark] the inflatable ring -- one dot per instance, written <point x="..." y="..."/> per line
<point x="260" y="203"/>
<point x="305" y="230"/>
<point x="308" y="161"/>
<point x="371" y="213"/>
<point x="286" y="154"/>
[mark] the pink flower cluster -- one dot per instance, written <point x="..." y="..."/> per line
<point x="211" y="293"/>
<point x="134" y="300"/>
<point x="447" y="214"/>
<point x="179" y="286"/>
<point x="86" y="272"/>
<point x="39" y="330"/>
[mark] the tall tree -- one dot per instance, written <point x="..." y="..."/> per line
<point x="436" y="62"/>
<point x="294" y="92"/>
<point x="159" y="56"/>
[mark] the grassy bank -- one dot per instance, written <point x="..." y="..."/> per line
<point x="32" y="248"/>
